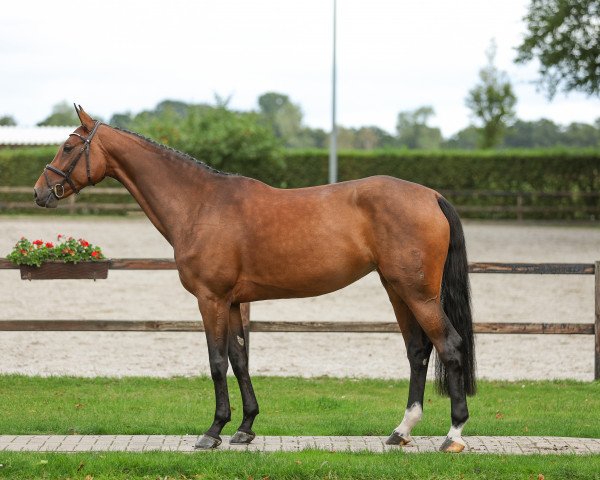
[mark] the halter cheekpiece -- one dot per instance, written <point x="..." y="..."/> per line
<point x="58" y="189"/>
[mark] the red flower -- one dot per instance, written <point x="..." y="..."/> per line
<point x="23" y="252"/>
<point x="38" y="243"/>
<point x="49" y="245"/>
<point x="84" y="243"/>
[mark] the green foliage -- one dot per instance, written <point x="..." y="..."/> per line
<point x="413" y="131"/>
<point x="466" y="139"/>
<point x="63" y="114"/>
<point x="7" y="121"/>
<point x="284" y="117"/>
<point x="226" y="140"/>
<point x="23" y="166"/>
<point x="363" y="138"/>
<point x="564" y="36"/>
<point x="574" y="171"/>
<point x="582" y="135"/>
<point x="529" y="170"/>
<point x="492" y="101"/>
<point x="541" y="133"/>
<point x="544" y="170"/>
<point x="67" y="250"/>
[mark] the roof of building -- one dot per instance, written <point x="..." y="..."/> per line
<point x="34" y="135"/>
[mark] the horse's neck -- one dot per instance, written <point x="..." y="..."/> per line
<point x="168" y="194"/>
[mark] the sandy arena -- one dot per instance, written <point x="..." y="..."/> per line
<point x="159" y="296"/>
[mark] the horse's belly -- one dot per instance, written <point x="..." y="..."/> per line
<point x="304" y="273"/>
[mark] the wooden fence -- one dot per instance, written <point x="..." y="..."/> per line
<point x="517" y="207"/>
<point x="346" y="327"/>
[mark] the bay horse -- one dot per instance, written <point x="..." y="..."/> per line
<point x="238" y="240"/>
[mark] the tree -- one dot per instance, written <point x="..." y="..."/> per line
<point x="7" y="121"/>
<point x="369" y="138"/>
<point x="63" y="114"/>
<point x="581" y="135"/>
<point x="284" y="117"/>
<point x="492" y="101"/>
<point x="122" y="120"/>
<point x="564" y="36"/>
<point x="227" y="140"/>
<point x="413" y="131"/>
<point x="540" y="133"/>
<point x="346" y="138"/>
<point x="466" y="139"/>
<point x="314" y="138"/>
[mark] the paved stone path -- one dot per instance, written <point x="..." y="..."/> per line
<point x="185" y="443"/>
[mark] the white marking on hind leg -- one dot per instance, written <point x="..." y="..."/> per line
<point x="455" y="434"/>
<point x="412" y="416"/>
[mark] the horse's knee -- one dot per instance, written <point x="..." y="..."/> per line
<point x="218" y="368"/>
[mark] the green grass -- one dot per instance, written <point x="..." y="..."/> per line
<point x="289" y="406"/>
<point x="307" y="464"/>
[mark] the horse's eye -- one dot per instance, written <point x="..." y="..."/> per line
<point x="67" y="147"/>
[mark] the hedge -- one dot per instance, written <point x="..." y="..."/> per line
<point x="511" y="170"/>
<point x="508" y="170"/>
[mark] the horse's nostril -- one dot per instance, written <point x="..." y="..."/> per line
<point x="34" y="194"/>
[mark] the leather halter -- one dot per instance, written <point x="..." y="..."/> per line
<point x="58" y="189"/>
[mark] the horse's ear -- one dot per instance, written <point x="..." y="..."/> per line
<point x="86" y="121"/>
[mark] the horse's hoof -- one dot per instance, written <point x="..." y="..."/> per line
<point x="242" y="438"/>
<point x="398" y="439"/>
<point x="451" y="446"/>
<point x="207" y="442"/>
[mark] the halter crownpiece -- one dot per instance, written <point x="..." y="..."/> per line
<point x="58" y="189"/>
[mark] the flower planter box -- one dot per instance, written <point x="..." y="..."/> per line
<point x="62" y="270"/>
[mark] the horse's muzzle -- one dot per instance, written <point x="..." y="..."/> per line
<point x="45" y="198"/>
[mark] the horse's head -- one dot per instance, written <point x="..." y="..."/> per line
<point x="78" y="163"/>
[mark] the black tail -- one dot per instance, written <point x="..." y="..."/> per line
<point x="456" y="301"/>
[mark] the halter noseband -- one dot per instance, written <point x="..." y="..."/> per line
<point x="58" y="189"/>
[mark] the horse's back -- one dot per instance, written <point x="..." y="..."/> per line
<point x="315" y="240"/>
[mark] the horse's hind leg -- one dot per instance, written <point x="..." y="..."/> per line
<point x="448" y="344"/>
<point x="238" y="356"/>
<point x="418" y="349"/>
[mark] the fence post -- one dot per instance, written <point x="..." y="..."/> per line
<point x="245" y="313"/>
<point x="520" y="207"/>
<point x="72" y="207"/>
<point x="597" y="323"/>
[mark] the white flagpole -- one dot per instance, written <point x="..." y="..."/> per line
<point x="333" y="163"/>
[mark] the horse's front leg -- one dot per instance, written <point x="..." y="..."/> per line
<point x="215" y="315"/>
<point x="238" y="355"/>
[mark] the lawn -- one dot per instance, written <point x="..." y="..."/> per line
<point x="290" y="406"/>
<point x="307" y="464"/>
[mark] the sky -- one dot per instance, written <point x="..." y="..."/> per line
<point x="115" y="56"/>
